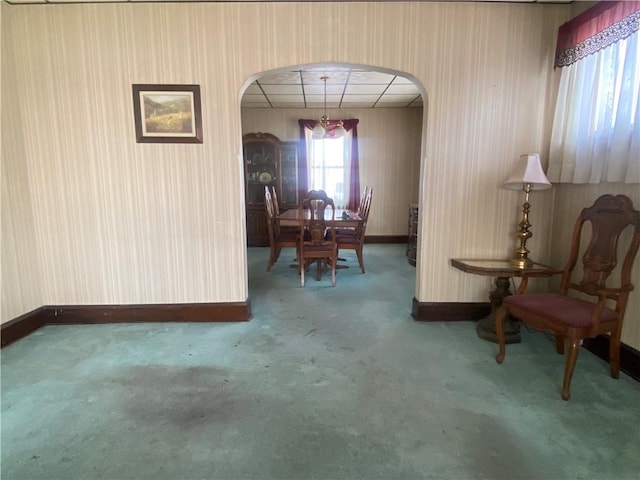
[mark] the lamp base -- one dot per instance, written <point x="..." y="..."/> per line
<point x="521" y="263"/>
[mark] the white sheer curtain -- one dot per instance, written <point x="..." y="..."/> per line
<point x="596" y="127"/>
<point x="329" y="166"/>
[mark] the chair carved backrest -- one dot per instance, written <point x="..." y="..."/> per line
<point x="363" y="211"/>
<point x="274" y="198"/>
<point x="272" y="223"/>
<point x="363" y="198"/>
<point x="316" y="202"/>
<point x="314" y="244"/>
<point x="609" y="217"/>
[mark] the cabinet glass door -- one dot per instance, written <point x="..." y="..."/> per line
<point x="261" y="171"/>
<point x="289" y="174"/>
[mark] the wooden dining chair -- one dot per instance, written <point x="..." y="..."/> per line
<point x="596" y="307"/>
<point x="366" y="192"/>
<point x="274" y="197"/>
<point x="278" y="239"/>
<point x="276" y="208"/>
<point x="314" y="246"/>
<point x="354" y="239"/>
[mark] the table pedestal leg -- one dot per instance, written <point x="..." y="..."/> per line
<point x="486" y="326"/>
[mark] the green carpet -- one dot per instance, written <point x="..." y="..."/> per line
<point x="322" y="383"/>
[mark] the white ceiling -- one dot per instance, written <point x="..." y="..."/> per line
<point x="347" y="87"/>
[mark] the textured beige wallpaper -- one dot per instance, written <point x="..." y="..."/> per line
<point x="389" y="152"/>
<point x="100" y="219"/>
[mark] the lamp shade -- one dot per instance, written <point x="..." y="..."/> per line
<point x="528" y="170"/>
<point x="318" y="132"/>
<point x="339" y="131"/>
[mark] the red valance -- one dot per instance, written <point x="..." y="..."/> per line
<point x="600" y="26"/>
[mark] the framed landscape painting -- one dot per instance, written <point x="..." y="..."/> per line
<point x="167" y="113"/>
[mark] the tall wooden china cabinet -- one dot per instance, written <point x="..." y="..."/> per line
<point x="268" y="162"/>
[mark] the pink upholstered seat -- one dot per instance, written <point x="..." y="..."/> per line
<point x="563" y="309"/>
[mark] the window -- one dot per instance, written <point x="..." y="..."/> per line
<point x="328" y="169"/>
<point x="332" y="164"/>
<point x="596" y="129"/>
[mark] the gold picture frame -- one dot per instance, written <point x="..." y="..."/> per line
<point x="167" y="113"/>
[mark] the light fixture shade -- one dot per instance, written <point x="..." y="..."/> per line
<point x="339" y="131"/>
<point x="528" y="170"/>
<point x="318" y="132"/>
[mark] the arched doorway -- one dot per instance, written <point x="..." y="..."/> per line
<point x="390" y="129"/>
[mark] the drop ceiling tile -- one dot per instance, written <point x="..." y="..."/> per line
<point x="370" y="77"/>
<point x="320" y="106"/>
<point x="391" y="105"/>
<point x="405" y="99"/>
<point x="360" y="99"/>
<point x="407" y="89"/>
<point x="365" y="89"/>
<point x="358" y="105"/>
<point x="335" y="77"/>
<point x="280" y="78"/>
<point x="402" y="81"/>
<point x="285" y="99"/>
<point x="282" y="89"/>
<point x="254" y="98"/>
<point x="319" y="99"/>
<point x="319" y="89"/>
<point x="253" y="89"/>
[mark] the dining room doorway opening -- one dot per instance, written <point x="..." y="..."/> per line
<point x="390" y="108"/>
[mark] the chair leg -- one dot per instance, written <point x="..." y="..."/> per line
<point x="333" y="270"/>
<point x="570" y="364"/>
<point x="559" y="344"/>
<point x="360" y="260"/>
<point x="614" y="353"/>
<point x="302" y="269"/>
<point x="500" y="315"/>
<point x="273" y="256"/>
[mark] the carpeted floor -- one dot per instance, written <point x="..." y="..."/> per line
<point x="322" y="383"/>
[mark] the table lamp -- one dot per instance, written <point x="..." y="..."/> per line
<point x="528" y="176"/>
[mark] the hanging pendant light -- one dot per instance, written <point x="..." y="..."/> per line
<point x="321" y="129"/>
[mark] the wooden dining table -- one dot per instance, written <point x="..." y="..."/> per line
<point x="344" y="218"/>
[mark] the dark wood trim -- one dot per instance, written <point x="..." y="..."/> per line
<point x="629" y="356"/>
<point x="188" y="312"/>
<point x="449" y="311"/>
<point x="22" y="326"/>
<point x="386" y="239"/>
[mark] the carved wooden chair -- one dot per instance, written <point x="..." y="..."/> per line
<point x="366" y="192"/>
<point x="278" y="239"/>
<point x="274" y="198"/>
<point x="354" y="239"/>
<point x="314" y="244"/>
<point x="596" y="307"/>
